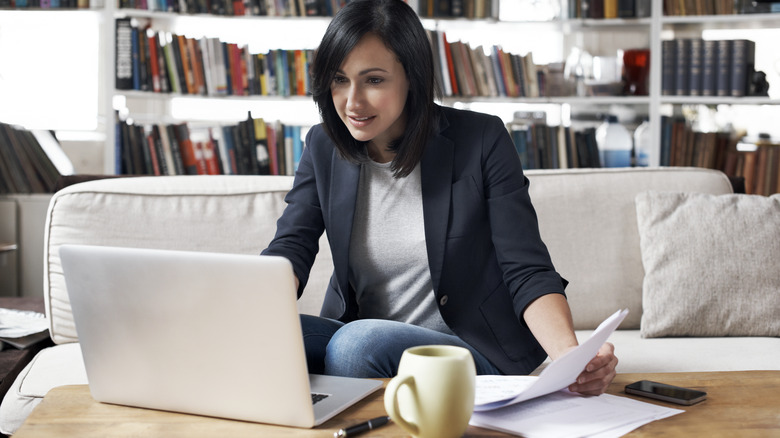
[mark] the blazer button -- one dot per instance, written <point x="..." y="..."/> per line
<point x="443" y="300"/>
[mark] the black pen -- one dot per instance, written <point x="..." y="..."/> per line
<point x="362" y="427"/>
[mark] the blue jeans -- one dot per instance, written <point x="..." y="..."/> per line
<point x="371" y="347"/>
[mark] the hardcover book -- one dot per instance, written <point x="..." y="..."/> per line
<point x="709" y="66"/>
<point x="124" y="54"/>
<point x="743" y="61"/>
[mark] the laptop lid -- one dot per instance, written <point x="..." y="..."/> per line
<point x="195" y="332"/>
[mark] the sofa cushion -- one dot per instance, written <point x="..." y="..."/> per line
<point x="587" y="219"/>
<point x="691" y="354"/>
<point x="51" y="367"/>
<point x="233" y="214"/>
<point x="710" y="264"/>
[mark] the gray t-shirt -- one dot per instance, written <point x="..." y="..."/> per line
<point x="387" y="255"/>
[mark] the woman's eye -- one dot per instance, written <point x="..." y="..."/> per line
<point x="339" y="80"/>
<point x="374" y="81"/>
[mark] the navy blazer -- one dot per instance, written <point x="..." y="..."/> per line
<point x="486" y="257"/>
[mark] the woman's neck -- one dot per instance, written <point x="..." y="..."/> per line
<point x="379" y="154"/>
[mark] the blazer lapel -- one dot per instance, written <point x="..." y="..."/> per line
<point x="436" y="176"/>
<point x="345" y="177"/>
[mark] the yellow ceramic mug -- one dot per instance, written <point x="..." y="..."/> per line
<point x="433" y="394"/>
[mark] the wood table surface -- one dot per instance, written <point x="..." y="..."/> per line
<point x="739" y="404"/>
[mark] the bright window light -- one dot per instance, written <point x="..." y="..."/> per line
<point x="49" y="69"/>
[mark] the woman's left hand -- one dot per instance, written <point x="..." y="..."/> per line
<point x="598" y="373"/>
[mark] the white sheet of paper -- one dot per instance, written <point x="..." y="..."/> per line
<point x="17" y="323"/>
<point x="497" y="391"/>
<point x="566" y="415"/>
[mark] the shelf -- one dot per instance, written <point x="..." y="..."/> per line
<point x="609" y="22"/>
<point x="161" y="15"/>
<point x="146" y="95"/>
<point x="574" y="100"/>
<point x="558" y="100"/>
<point x="699" y="100"/>
<point x="734" y="21"/>
<point x="40" y="10"/>
<point x="601" y="34"/>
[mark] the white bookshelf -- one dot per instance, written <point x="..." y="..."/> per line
<point x="600" y="37"/>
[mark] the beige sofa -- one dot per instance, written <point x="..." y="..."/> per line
<point x="588" y="219"/>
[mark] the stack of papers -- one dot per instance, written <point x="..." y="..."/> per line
<point x="22" y="328"/>
<point x="542" y="407"/>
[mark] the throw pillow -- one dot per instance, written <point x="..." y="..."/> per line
<point x="712" y="264"/>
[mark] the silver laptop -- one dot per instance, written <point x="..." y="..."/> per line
<point x="200" y="333"/>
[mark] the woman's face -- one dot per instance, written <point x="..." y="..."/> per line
<point x="369" y="93"/>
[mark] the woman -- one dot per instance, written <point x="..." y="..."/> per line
<point x="433" y="235"/>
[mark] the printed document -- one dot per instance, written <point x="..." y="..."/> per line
<point x="563" y="414"/>
<point x="498" y="391"/>
<point x="541" y="406"/>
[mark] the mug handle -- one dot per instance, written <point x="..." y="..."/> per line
<point x="391" y="402"/>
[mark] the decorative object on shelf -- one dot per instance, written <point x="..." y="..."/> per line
<point x="579" y="67"/>
<point x="759" y="85"/>
<point x="642" y="144"/>
<point x="606" y="79"/>
<point x="636" y="69"/>
<point x="615" y="143"/>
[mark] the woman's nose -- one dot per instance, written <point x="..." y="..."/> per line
<point x="354" y="98"/>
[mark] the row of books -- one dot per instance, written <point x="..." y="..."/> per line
<point x="162" y="62"/>
<point x="25" y="166"/>
<point x="718" y="7"/>
<point x="465" y="71"/>
<point x="45" y="4"/>
<point x="698" y="67"/>
<point x="251" y="147"/>
<point x="543" y="146"/>
<point x="609" y="8"/>
<point x="681" y="145"/>
<point x="473" y="9"/>
<point x="271" y="8"/>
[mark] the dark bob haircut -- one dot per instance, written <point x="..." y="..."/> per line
<point x="399" y="27"/>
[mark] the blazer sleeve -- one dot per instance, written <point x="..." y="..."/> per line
<point x="522" y="255"/>
<point x="299" y="228"/>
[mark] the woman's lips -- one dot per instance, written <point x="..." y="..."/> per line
<point x="359" y="122"/>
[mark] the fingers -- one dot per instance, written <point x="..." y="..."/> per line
<point x="598" y="374"/>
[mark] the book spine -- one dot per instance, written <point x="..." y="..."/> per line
<point x="709" y="66"/>
<point x="668" y="67"/>
<point x="171" y="65"/>
<point x="743" y="54"/>
<point x="642" y="8"/>
<point x="627" y="8"/>
<point x="723" y="74"/>
<point x="610" y="9"/>
<point x="695" y="67"/>
<point x="682" y="66"/>
<point x="124" y="54"/>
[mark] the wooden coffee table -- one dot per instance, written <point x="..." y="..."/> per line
<point x="743" y="404"/>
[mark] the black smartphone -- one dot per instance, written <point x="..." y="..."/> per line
<point x="664" y="392"/>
